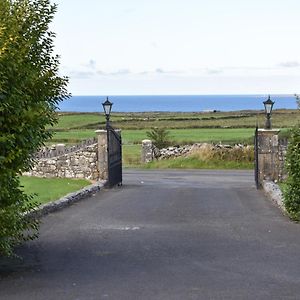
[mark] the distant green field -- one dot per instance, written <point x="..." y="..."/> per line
<point x="184" y="128"/>
<point x="194" y="135"/>
<point x="72" y="136"/>
<point x="244" y="119"/>
<point x="176" y="135"/>
<point x="49" y="189"/>
<point x="70" y="121"/>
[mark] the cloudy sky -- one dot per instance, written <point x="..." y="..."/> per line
<point x="128" y="47"/>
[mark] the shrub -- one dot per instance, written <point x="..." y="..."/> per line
<point x="159" y="137"/>
<point x="30" y="90"/>
<point x="292" y="188"/>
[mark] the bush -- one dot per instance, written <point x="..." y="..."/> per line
<point x="30" y="90"/>
<point x="159" y="137"/>
<point x="292" y="188"/>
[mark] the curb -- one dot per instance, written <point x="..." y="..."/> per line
<point x="274" y="192"/>
<point x="67" y="200"/>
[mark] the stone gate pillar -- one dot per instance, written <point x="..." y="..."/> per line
<point x="147" y="151"/>
<point x="102" y="154"/>
<point x="268" y="155"/>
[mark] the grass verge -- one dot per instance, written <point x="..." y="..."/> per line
<point x="50" y="189"/>
<point x="195" y="163"/>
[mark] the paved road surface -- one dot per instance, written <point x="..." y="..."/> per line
<point x="163" y="235"/>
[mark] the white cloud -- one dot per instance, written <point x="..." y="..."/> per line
<point x="114" y="73"/>
<point x="214" y="71"/>
<point x="290" y="64"/>
<point x="81" y="74"/>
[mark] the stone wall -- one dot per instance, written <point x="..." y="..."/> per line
<point x="81" y="163"/>
<point x="61" y="149"/>
<point x="149" y="152"/>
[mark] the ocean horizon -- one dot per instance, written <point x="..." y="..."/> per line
<point x="176" y="103"/>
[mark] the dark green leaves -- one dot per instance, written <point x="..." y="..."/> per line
<point x="292" y="188"/>
<point x="159" y="137"/>
<point x="30" y="89"/>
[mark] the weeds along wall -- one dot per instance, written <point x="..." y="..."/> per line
<point x="80" y="161"/>
<point x="272" y="167"/>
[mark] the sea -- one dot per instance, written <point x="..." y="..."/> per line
<point x="176" y="103"/>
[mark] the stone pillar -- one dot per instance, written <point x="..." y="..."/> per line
<point x="268" y="155"/>
<point x="147" y="152"/>
<point x="102" y="154"/>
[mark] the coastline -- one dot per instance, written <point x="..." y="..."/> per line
<point x="177" y="103"/>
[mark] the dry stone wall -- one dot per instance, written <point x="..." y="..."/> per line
<point x="80" y="163"/>
<point x="178" y="151"/>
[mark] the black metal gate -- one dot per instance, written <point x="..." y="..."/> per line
<point x="256" y="168"/>
<point x="114" y="156"/>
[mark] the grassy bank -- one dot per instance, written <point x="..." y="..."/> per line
<point x="50" y="189"/>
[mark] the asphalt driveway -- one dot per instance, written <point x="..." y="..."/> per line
<point x="163" y="235"/>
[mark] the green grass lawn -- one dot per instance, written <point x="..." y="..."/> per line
<point x="50" y="189"/>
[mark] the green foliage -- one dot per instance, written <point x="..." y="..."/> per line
<point x="297" y="100"/>
<point x="292" y="187"/>
<point x="30" y="90"/>
<point x="159" y="137"/>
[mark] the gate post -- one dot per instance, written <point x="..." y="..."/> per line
<point x="102" y="154"/>
<point x="147" y="151"/>
<point x="268" y="154"/>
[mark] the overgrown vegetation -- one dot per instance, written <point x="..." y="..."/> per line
<point x="209" y="157"/>
<point x="30" y="90"/>
<point x="292" y="184"/>
<point x="237" y="154"/>
<point x="195" y="163"/>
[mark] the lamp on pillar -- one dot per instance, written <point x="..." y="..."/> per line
<point x="107" y="105"/>
<point x="268" y="111"/>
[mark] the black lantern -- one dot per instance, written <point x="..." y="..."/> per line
<point x="268" y="111"/>
<point x="107" y="105"/>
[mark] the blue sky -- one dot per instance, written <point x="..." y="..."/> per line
<point x="125" y="47"/>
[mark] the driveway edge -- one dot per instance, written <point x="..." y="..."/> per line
<point x="274" y="192"/>
<point x="67" y="200"/>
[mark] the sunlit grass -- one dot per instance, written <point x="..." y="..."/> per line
<point x="49" y="189"/>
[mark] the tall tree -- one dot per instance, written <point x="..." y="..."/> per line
<point x="30" y="90"/>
